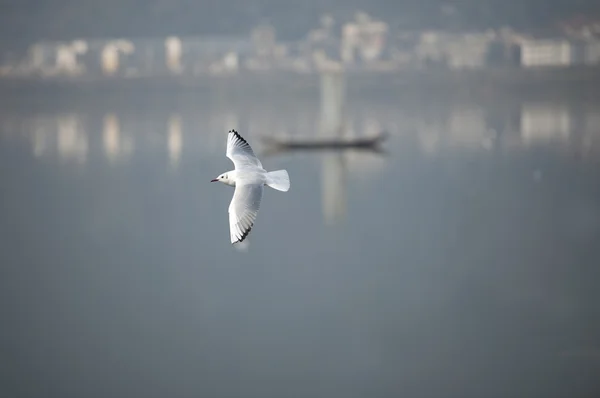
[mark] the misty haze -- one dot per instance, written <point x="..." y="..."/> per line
<point x="440" y="237"/>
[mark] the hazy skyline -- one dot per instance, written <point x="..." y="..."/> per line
<point x="24" y="21"/>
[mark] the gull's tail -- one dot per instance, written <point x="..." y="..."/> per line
<point x="279" y="180"/>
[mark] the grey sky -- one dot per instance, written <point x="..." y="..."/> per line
<point x="29" y="20"/>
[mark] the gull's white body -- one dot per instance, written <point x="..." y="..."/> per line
<point x="249" y="179"/>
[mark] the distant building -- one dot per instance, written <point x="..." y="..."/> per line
<point x="456" y="51"/>
<point x="373" y="37"/>
<point x="173" y="49"/>
<point x="215" y="54"/>
<point x="55" y="58"/>
<point x="364" y="39"/>
<point x="322" y="47"/>
<point x="431" y="48"/>
<point x="550" y="53"/>
<point x="111" y="55"/>
<point x="350" y="43"/>
<point x="469" y="51"/>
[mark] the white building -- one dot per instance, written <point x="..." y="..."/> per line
<point x="458" y="51"/>
<point x="549" y="53"/>
<point x="50" y="58"/>
<point x="365" y="37"/>
<point x="468" y="52"/>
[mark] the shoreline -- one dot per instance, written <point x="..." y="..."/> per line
<point x="573" y="83"/>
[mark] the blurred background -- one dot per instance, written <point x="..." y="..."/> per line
<point x="455" y="254"/>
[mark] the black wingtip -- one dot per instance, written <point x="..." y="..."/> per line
<point x="234" y="132"/>
<point x="244" y="235"/>
<point x="238" y="136"/>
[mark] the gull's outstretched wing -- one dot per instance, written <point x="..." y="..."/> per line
<point x="243" y="210"/>
<point x="240" y="152"/>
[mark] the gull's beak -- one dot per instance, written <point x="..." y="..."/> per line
<point x="215" y="180"/>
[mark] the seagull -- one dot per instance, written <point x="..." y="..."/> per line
<point x="249" y="179"/>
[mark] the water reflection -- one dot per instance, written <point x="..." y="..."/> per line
<point x="72" y="139"/>
<point x="117" y="145"/>
<point x="40" y="138"/>
<point x="546" y="124"/>
<point x="174" y="140"/>
<point x="462" y="127"/>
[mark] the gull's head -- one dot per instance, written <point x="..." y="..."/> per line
<point x="225" y="178"/>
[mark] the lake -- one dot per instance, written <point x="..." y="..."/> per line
<point x="464" y="261"/>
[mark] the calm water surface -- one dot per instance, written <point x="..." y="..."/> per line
<point x="464" y="262"/>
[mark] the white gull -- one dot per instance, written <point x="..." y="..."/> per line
<point x="249" y="179"/>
